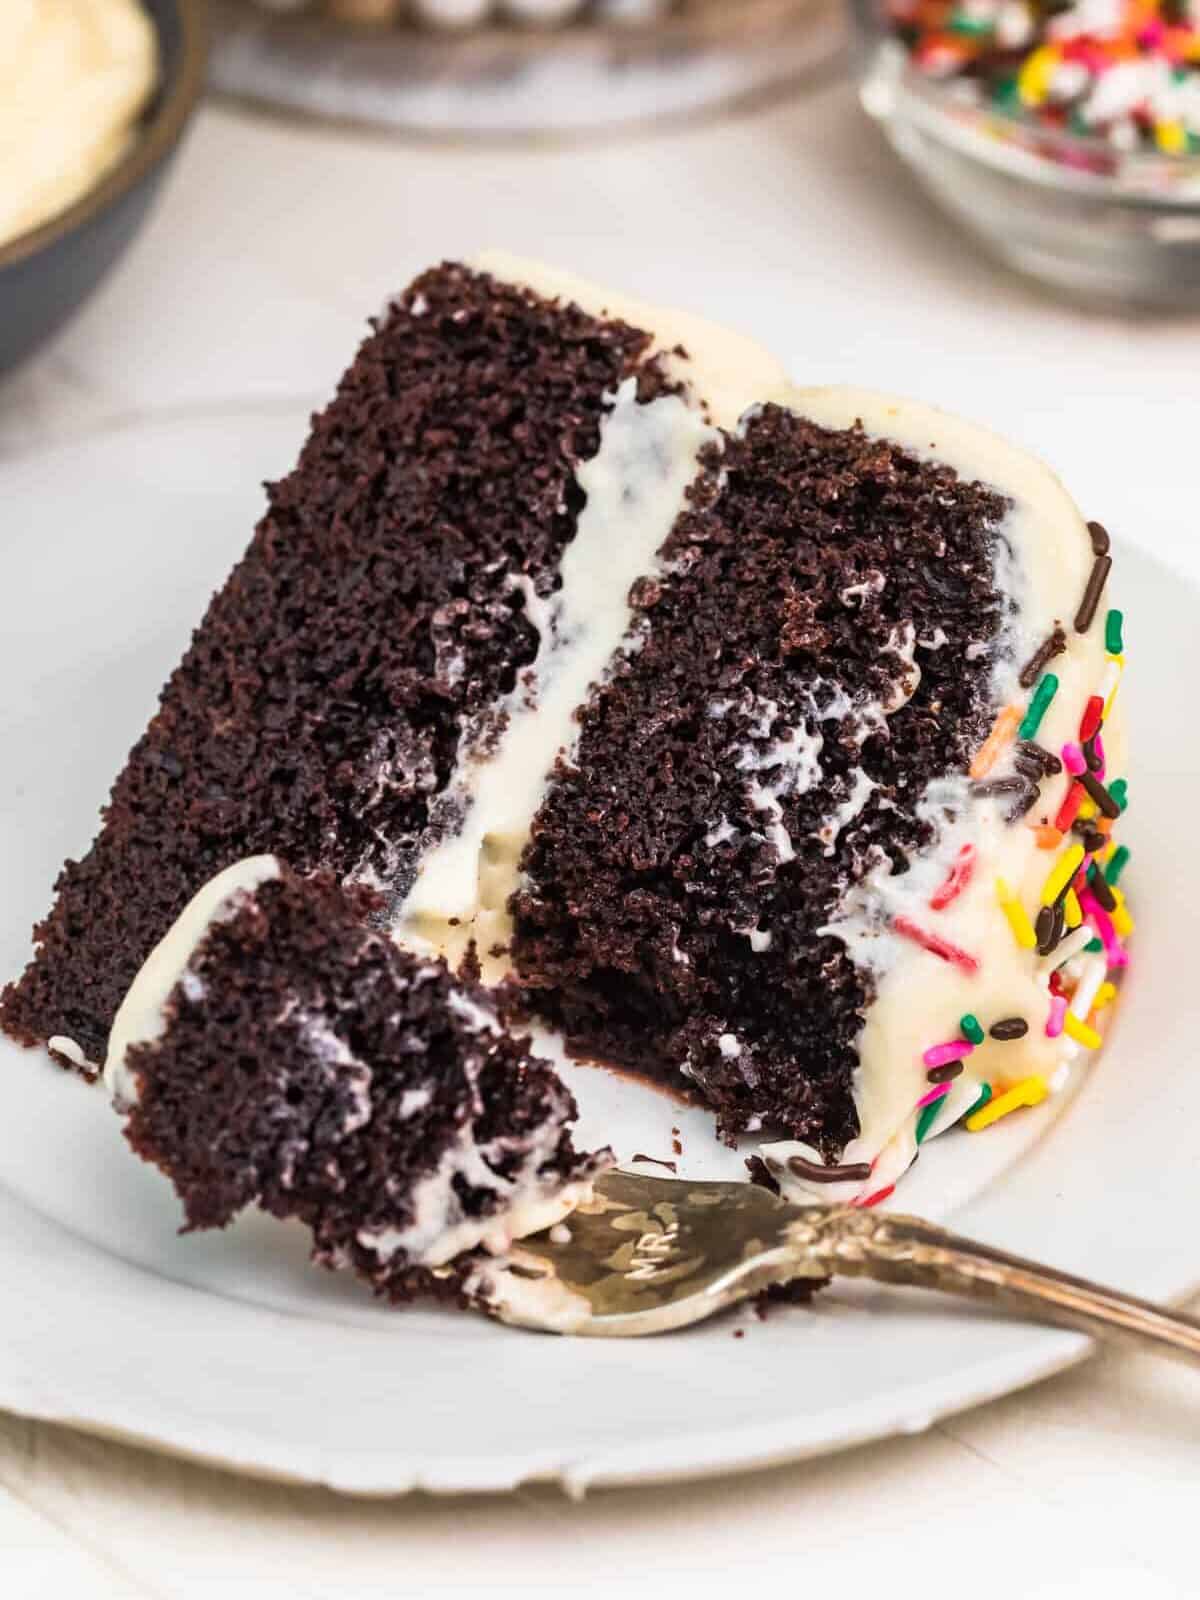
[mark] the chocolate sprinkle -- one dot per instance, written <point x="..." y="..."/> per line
<point x="944" y="1074"/>
<point x="1099" y="886"/>
<point x="1009" y="1028"/>
<point x="1045" y="652"/>
<point x="1023" y="804"/>
<point x="1091" y="595"/>
<point x="992" y="786"/>
<point x="1044" y="930"/>
<point x="851" y="1172"/>
<point x="1026" y="761"/>
<point x="1093" y="840"/>
<point x="1099" y="537"/>
<point x="1097" y="792"/>
<point x="1091" y="755"/>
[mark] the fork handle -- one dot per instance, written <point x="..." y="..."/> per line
<point x="898" y="1249"/>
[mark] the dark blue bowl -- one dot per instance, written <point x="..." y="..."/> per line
<point x="47" y="274"/>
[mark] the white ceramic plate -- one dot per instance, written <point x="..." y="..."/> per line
<point x="232" y="1348"/>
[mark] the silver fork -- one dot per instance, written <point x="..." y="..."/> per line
<point x="651" y="1254"/>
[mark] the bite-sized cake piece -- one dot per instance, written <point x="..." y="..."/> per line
<point x="760" y="738"/>
<point x="276" y="1051"/>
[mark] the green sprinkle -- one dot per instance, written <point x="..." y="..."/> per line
<point x="1042" y="696"/>
<point x="969" y="1027"/>
<point x="972" y="27"/>
<point x="1117" y="863"/>
<point x="985" y="1094"/>
<point x="1114" y="641"/>
<point x="1006" y="92"/>
<point x="1120" y="792"/>
<point x="1093" y="946"/>
<point x="926" y="1119"/>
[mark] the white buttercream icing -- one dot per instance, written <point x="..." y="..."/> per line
<point x="635" y="487"/>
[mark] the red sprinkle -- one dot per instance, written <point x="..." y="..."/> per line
<point x="1093" y="716"/>
<point x="874" y="1199"/>
<point x="1069" y="809"/>
<point x="935" y="945"/>
<point x="957" y="879"/>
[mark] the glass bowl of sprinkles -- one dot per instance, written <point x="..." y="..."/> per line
<point x="1066" y="137"/>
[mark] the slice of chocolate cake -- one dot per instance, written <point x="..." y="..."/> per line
<point x="762" y="739"/>
<point x="276" y="1051"/>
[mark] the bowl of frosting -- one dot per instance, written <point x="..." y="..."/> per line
<point x="1065" y="134"/>
<point x="94" y="96"/>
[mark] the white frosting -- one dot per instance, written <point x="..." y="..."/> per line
<point x="142" y="1016"/>
<point x="635" y="487"/>
<point x="74" y="77"/>
<point x="526" y="1203"/>
<point x="65" y="1046"/>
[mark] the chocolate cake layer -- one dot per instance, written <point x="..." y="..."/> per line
<point x="362" y="642"/>
<point x="301" y="1062"/>
<point x="815" y="651"/>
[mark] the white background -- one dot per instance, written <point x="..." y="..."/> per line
<point x="250" y="288"/>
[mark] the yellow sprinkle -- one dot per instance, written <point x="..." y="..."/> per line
<point x="1072" y="909"/>
<point x="1105" y="996"/>
<point x="1033" y="80"/>
<point x="1080" y="1032"/>
<point x="1111" y="681"/>
<point x="1087" y="810"/>
<point x="1022" y="928"/>
<point x="1063" y="871"/>
<point x="1029" y="1092"/>
<point x="1122" y="922"/>
<point x="1108" y="852"/>
<point x="1171" y="138"/>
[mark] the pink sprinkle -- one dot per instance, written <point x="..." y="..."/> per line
<point x="1073" y="760"/>
<point x="936" y="946"/>
<point x="1152" y="35"/>
<point x="1102" y="922"/>
<point x="941" y="1055"/>
<point x="937" y="1093"/>
<point x="1058" y="1010"/>
<point x="956" y="880"/>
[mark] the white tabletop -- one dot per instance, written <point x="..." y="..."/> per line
<point x="249" y="289"/>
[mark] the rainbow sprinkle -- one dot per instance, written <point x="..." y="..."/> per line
<point x="1030" y="1091"/>
<point x="1062" y="872"/>
<point x="1018" y="919"/>
<point x="970" y="1028"/>
<point x="1038" y="706"/>
<point x="1099" y="83"/>
<point x="956" y="880"/>
<point x="989" y="752"/>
